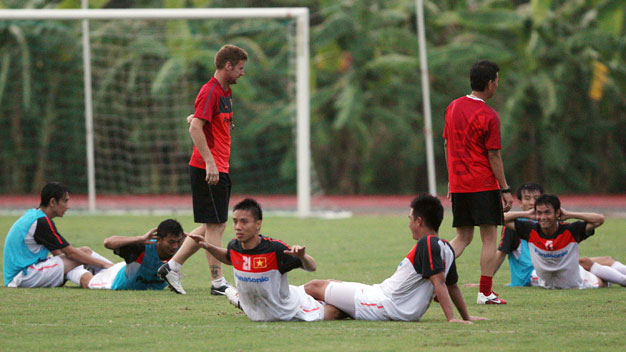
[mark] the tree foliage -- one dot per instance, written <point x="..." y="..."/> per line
<point x="561" y="97"/>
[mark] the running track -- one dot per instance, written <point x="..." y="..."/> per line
<point x="612" y="205"/>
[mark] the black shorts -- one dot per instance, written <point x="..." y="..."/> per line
<point x="210" y="203"/>
<point x="478" y="208"/>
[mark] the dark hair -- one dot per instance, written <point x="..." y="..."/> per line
<point x="548" y="199"/>
<point x="429" y="208"/>
<point x="55" y="190"/>
<point x="481" y="73"/>
<point x="529" y="187"/>
<point x="169" y="227"/>
<point x="229" y="53"/>
<point x="252" y="206"/>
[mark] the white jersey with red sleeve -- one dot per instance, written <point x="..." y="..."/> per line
<point x="261" y="280"/>
<point x="555" y="257"/>
<point x="407" y="294"/>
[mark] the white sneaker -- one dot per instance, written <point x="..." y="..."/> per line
<point x="172" y="278"/>
<point x="233" y="296"/>
<point x="491" y="299"/>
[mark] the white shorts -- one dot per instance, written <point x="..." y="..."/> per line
<point x="589" y="280"/>
<point x="49" y="273"/>
<point x="359" y="301"/>
<point x="310" y="309"/>
<point x="104" y="279"/>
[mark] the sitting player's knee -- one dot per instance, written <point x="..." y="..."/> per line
<point x="85" y="249"/>
<point x="314" y="289"/>
<point x="585" y="262"/>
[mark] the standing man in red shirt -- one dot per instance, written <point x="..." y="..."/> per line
<point x="208" y="168"/>
<point x="476" y="181"/>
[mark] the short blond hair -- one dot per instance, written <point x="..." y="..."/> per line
<point x="229" y="53"/>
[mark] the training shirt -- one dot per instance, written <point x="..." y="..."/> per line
<point x="409" y="290"/>
<point x="261" y="279"/>
<point x="471" y="129"/>
<point x="30" y="240"/>
<point x="520" y="264"/>
<point x="140" y="272"/>
<point x="555" y="257"/>
<point x="214" y="105"/>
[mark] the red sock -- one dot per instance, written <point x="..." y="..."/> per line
<point x="485" y="285"/>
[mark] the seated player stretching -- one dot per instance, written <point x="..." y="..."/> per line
<point x="37" y="255"/>
<point x="429" y="269"/>
<point x="520" y="264"/>
<point x="554" y="246"/>
<point x="143" y="255"/>
<point x="260" y="266"/>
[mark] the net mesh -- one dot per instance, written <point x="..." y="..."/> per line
<point x="146" y="75"/>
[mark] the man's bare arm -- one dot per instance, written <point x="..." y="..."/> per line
<point x="217" y="252"/>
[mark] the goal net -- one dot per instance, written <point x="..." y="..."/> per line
<point x="145" y="75"/>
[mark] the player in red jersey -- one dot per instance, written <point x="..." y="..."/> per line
<point x="428" y="270"/>
<point x="208" y="168"/>
<point x="260" y="266"/>
<point x="554" y="246"/>
<point x="476" y="181"/>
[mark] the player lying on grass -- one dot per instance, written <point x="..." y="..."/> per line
<point x="143" y="255"/>
<point x="260" y="266"/>
<point x="429" y="269"/>
<point x="34" y="236"/>
<point x="554" y="245"/>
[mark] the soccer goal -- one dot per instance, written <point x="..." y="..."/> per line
<point x="117" y="85"/>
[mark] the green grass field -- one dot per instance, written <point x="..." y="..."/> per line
<point x="362" y="248"/>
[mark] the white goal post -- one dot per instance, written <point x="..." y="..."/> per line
<point x="301" y="14"/>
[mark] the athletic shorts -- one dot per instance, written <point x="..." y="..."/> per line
<point x="359" y="301"/>
<point x="49" y="273"/>
<point x="479" y="208"/>
<point x="104" y="279"/>
<point x="210" y="203"/>
<point x="310" y="309"/>
<point x="588" y="280"/>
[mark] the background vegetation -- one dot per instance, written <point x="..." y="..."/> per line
<point x="561" y="97"/>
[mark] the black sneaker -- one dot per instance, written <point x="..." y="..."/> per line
<point x="220" y="291"/>
<point x="172" y="278"/>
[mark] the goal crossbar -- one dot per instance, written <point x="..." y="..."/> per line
<point x="301" y="14"/>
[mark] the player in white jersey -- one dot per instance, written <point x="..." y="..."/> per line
<point x="554" y="245"/>
<point x="428" y="270"/>
<point x="260" y="266"/>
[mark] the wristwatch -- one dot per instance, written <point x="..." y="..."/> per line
<point x="506" y="190"/>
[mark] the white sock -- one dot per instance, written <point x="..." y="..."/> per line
<point x="174" y="265"/>
<point x="98" y="256"/>
<point x="98" y="269"/>
<point x="619" y="267"/>
<point x="609" y="274"/>
<point x="75" y="274"/>
<point x="219" y="282"/>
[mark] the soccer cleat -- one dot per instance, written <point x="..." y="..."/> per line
<point x="220" y="291"/>
<point x="233" y="296"/>
<point x="172" y="278"/>
<point x="491" y="299"/>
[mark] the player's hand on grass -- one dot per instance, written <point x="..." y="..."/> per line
<point x="473" y="318"/>
<point x="455" y="320"/>
<point x="296" y="251"/>
<point x="149" y="236"/>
